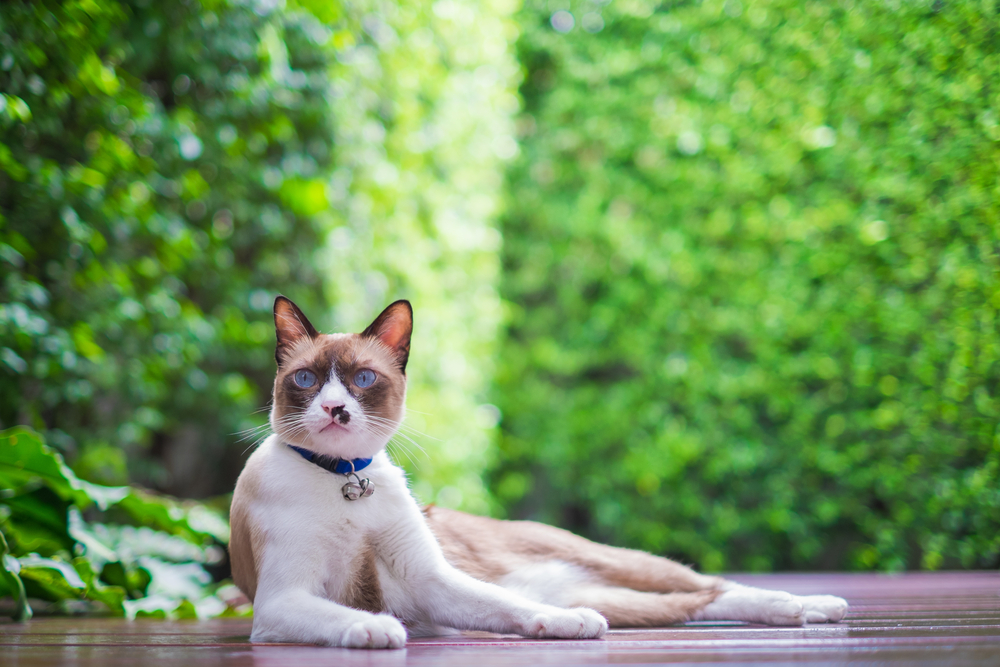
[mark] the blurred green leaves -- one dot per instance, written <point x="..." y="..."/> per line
<point x="169" y="167"/>
<point x="186" y="162"/>
<point x="150" y="560"/>
<point x="425" y="124"/>
<point x="161" y="162"/>
<point x="751" y="257"/>
<point x="747" y="263"/>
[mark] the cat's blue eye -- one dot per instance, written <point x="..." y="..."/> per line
<point x="305" y="379"/>
<point x="364" y="378"/>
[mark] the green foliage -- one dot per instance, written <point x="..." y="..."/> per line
<point x="149" y="560"/>
<point x="425" y="104"/>
<point x="751" y="257"/>
<point x="159" y="164"/>
<point x="749" y="268"/>
<point x="166" y="168"/>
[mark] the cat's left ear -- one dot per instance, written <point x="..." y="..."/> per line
<point x="290" y="325"/>
<point x="393" y="327"/>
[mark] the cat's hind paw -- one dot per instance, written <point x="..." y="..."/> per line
<point x="376" y="632"/>
<point x="823" y="608"/>
<point x="580" y="623"/>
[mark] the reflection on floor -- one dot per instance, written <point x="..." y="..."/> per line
<point x="912" y="619"/>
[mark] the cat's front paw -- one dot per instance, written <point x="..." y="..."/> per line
<point x="823" y="608"/>
<point x="754" y="605"/>
<point x="376" y="632"/>
<point x="580" y="623"/>
<point x="780" y="608"/>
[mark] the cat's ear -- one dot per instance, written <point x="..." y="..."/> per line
<point x="291" y="326"/>
<point x="393" y="327"/>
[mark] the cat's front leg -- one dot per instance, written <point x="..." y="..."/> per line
<point x="456" y="600"/>
<point x="296" y="616"/>
<point x="421" y="586"/>
<point x="758" y="605"/>
<point x="823" y="608"/>
<point x="556" y="623"/>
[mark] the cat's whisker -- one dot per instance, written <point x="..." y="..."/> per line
<point x="293" y="424"/>
<point x="291" y="417"/>
<point x="293" y="433"/>
<point x="413" y="456"/>
<point x="409" y="429"/>
<point x="269" y="427"/>
<point x="391" y="451"/>
<point x="252" y="433"/>
<point x="402" y="426"/>
<point x="252" y="429"/>
<point x="391" y="446"/>
<point x="256" y="443"/>
<point x="383" y="431"/>
<point x="413" y="442"/>
<point x="402" y="434"/>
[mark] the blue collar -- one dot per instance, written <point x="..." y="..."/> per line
<point x="339" y="466"/>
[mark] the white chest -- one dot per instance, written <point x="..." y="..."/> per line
<point x="341" y="545"/>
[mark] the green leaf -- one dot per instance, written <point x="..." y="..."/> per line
<point x="33" y="562"/>
<point x="50" y="579"/>
<point x="10" y="570"/>
<point x="113" y="596"/>
<point x="161" y="513"/>
<point x="24" y="459"/>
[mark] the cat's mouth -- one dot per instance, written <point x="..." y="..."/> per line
<point x="335" y="425"/>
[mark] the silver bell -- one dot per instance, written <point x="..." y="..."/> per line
<point x="360" y="488"/>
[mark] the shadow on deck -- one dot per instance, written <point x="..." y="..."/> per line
<point x="912" y="619"/>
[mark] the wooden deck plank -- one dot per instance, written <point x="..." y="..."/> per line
<point x="919" y="619"/>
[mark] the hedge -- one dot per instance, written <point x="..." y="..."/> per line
<point x="166" y="168"/>
<point x="751" y="259"/>
<point x="159" y="163"/>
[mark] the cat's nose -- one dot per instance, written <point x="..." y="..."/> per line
<point x="336" y="410"/>
<point x="332" y="407"/>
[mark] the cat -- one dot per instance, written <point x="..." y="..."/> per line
<point x="332" y="548"/>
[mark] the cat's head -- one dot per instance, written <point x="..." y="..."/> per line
<point x="341" y="395"/>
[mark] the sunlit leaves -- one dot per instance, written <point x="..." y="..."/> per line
<point x="139" y="219"/>
<point x="425" y="99"/>
<point x="50" y="552"/>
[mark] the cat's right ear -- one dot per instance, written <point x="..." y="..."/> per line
<point x="291" y="326"/>
<point x="393" y="327"/>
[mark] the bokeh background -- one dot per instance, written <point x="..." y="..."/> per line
<point x="718" y="280"/>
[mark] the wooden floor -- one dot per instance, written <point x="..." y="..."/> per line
<point x="911" y="619"/>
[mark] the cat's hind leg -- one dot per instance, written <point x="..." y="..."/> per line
<point x="626" y="608"/>
<point x="756" y="605"/>
<point x="569" y="585"/>
<point x="490" y="549"/>
<point x="548" y="564"/>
